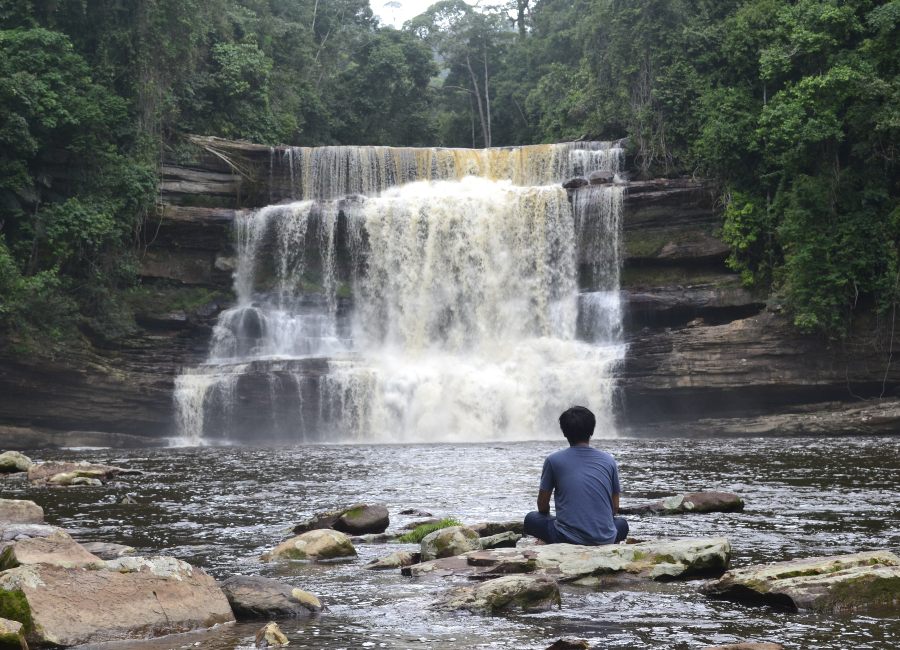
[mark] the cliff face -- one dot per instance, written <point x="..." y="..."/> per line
<point x="704" y="354"/>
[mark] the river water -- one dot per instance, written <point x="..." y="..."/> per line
<point x="221" y="507"/>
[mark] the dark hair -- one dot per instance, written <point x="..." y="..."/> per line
<point x="577" y="424"/>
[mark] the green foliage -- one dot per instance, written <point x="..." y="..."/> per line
<point x="418" y="533"/>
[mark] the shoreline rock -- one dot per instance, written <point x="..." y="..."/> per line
<point x="20" y="511"/>
<point x="514" y="592"/>
<point x="254" y="597"/>
<point x="358" y="519"/>
<point x="691" y="502"/>
<point x="314" y="545"/>
<point x="448" y="542"/>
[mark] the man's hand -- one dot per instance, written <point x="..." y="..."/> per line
<point x="543" y="502"/>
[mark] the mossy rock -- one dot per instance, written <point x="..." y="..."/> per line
<point x="320" y="544"/>
<point x="449" y="542"/>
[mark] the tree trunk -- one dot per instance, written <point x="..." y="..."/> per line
<point x="484" y="126"/>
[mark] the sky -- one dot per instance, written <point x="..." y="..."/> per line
<point x="397" y="12"/>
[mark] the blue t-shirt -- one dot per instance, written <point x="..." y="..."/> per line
<point x="584" y="481"/>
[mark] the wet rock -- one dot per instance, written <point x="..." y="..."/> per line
<point x="319" y="544"/>
<point x="58" y="549"/>
<point x="500" y="540"/>
<point x="488" y="528"/>
<point x="359" y="519"/>
<point x="128" y="500"/>
<point x="10" y="533"/>
<point x="270" y="636"/>
<point x="12" y="635"/>
<point x="20" y="511"/>
<point x="57" y="473"/>
<point x="601" y="177"/>
<point x="74" y="479"/>
<point x="381" y="538"/>
<point x="413" y="512"/>
<point x="146" y="597"/>
<point x="255" y="597"/>
<point x="859" y="582"/>
<point x="590" y="565"/>
<point x="395" y="560"/>
<point x="746" y="646"/>
<point x="106" y="550"/>
<point x="448" y="542"/>
<point x="575" y="183"/>
<point x="569" y="643"/>
<point x="515" y="592"/>
<point x="13" y="461"/>
<point x="421" y="522"/>
<point x="691" y="502"/>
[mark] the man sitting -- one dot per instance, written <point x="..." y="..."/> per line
<point x="586" y="485"/>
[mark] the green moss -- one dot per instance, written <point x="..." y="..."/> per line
<point x="419" y="532"/>
<point x="865" y="592"/>
<point x="354" y="512"/>
<point x="14" y="606"/>
<point x="164" y="299"/>
<point x="344" y="290"/>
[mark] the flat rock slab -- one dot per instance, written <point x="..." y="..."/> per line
<point x="139" y="599"/>
<point x="43" y="473"/>
<point x="107" y="550"/>
<point x="20" y="511"/>
<point x="655" y="560"/>
<point x="253" y="597"/>
<point x="58" y="549"/>
<point x="860" y="582"/>
<point x="692" y="502"/>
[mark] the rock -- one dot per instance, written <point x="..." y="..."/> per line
<point x="859" y="582"/>
<point x="128" y="500"/>
<point x="140" y="599"/>
<point x="12" y="635"/>
<point x="601" y="177"/>
<point x="500" y="540"/>
<point x="10" y="533"/>
<point x="569" y="643"/>
<point x="381" y="538"/>
<point x="448" y="542"/>
<point x="320" y="544"/>
<point x="56" y="473"/>
<point x="746" y="646"/>
<point x="413" y="512"/>
<point x="690" y="502"/>
<point x="359" y="519"/>
<point x="270" y="635"/>
<point x="521" y="592"/>
<point x="395" y="560"/>
<point x="20" y="511"/>
<point x="256" y="597"/>
<point x="58" y="549"/>
<point x="13" y="461"/>
<point x="488" y="528"/>
<point x="590" y="565"/>
<point x="106" y="550"/>
<point x="575" y="183"/>
<point x="421" y="522"/>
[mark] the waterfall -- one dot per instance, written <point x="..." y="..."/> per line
<point x="418" y="295"/>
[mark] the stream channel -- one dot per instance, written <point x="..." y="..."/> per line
<point x="221" y="507"/>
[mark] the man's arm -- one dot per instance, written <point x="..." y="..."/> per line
<point x="543" y="502"/>
<point x="615" y="503"/>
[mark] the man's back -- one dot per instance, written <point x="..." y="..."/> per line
<point x="584" y="481"/>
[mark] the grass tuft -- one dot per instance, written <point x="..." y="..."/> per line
<point x="416" y="534"/>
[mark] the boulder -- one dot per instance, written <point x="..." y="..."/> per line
<point x="319" y="544"/>
<point x="448" y="542"/>
<point x="690" y="502"/>
<point x="44" y="473"/>
<point x="106" y="550"/>
<point x="569" y="643"/>
<point x="14" y="461"/>
<point x="590" y="565"/>
<point x="415" y="512"/>
<point x="20" y="511"/>
<point x="359" y="519"/>
<point x="75" y="478"/>
<point x="396" y="560"/>
<point x="500" y="540"/>
<point x="515" y="592"/>
<point x="57" y="549"/>
<point x="12" y="635"/>
<point x="256" y="597"/>
<point x="575" y="183"/>
<point x="138" y="599"/>
<point x="601" y="177"/>
<point x="270" y="636"/>
<point x="860" y="582"/>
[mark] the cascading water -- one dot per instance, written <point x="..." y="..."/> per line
<point x="418" y="294"/>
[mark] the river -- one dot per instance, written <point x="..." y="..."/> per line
<point x="221" y="507"/>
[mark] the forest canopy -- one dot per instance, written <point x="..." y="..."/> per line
<point x="791" y="107"/>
